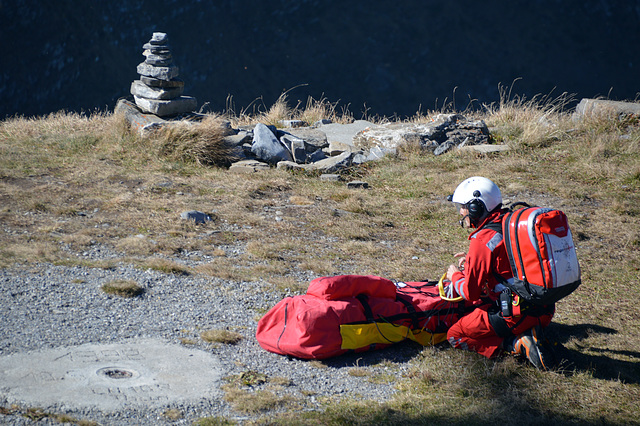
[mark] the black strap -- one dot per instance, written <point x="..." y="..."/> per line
<point x="444" y="308"/>
<point x="500" y="326"/>
<point x="513" y="206"/>
<point x="412" y="311"/>
<point x="494" y="226"/>
<point x="368" y="313"/>
<point x="286" y="306"/>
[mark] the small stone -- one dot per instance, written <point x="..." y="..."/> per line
<point x="292" y="123"/>
<point x="313" y="138"/>
<point x="296" y="146"/>
<point x="198" y="217"/>
<point x="378" y="153"/>
<point x="485" y="148"/>
<point x="315" y="156"/>
<point x="443" y="147"/>
<point x="332" y="164"/>
<point x="138" y="88"/>
<point x="156" y="55"/>
<point x="291" y="165"/>
<point x="164" y="108"/>
<point x="330" y="177"/>
<point x="156" y="82"/>
<point x="239" y="139"/>
<point x="159" y="38"/>
<point x="156" y="48"/>
<point x="357" y="184"/>
<point x="337" y="148"/>
<point x="359" y="159"/>
<point x="163" y="73"/>
<point x="248" y="166"/>
<point x="158" y="61"/>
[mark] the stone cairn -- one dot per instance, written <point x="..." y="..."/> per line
<point x="159" y="91"/>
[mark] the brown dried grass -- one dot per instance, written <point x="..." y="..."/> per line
<point x="202" y="143"/>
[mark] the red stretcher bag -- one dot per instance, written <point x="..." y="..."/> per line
<point x="357" y="313"/>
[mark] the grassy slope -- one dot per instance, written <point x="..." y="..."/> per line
<point x="69" y="182"/>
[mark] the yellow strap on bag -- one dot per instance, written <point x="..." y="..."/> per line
<point x="441" y="291"/>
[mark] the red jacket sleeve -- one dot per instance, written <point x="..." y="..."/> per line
<point x="482" y="259"/>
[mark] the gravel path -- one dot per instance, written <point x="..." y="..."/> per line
<point x="46" y="306"/>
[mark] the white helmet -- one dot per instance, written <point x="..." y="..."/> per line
<point x="479" y="195"/>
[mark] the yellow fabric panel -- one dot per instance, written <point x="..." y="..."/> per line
<point x="356" y="336"/>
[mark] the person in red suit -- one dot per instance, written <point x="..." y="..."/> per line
<point x="490" y="330"/>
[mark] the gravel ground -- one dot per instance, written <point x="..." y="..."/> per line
<point x="47" y="306"/>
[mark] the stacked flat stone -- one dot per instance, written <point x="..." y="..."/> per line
<point x="159" y="91"/>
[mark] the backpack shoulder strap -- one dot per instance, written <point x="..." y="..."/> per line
<point x="497" y="225"/>
<point x="494" y="226"/>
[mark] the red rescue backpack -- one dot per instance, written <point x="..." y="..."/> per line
<point x="542" y="254"/>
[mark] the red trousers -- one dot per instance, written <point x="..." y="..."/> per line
<point x="473" y="332"/>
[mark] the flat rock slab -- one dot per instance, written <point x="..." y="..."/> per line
<point x="485" y="148"/>
<point x="606" y="108"/>
<point x="138" y="88"/>
<point x="147" y="373"/>
<point x="345" y="133"/>
<point x="164" y="108"/>
<point x="163" y="73"/>
<point x="248" y="166"/>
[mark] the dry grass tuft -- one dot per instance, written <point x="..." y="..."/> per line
<point x="319" y="109"/>
<point x="173" y="414"/>
<point x="214" y="421"/>
<point x="167" y="266"/>
<point x="260" y="401"/>
<point x="532" y="122"/>
<point x="279" y="111"/>
<point x="202" y="143"/>
<point x="123" y="288"/>
<point x="226" y="269"/>
<point x="221" y="336"/>
<point x="312" y="111"/>
<point x="261" y="398"/>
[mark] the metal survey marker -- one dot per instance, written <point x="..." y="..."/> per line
<point x="149" y="373"/>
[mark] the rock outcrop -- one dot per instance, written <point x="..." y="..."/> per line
<point x="444" y="132"/>
<point x="328" y="147"/>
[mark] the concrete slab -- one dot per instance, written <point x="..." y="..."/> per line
<point x="248" y="166"/>
<point x="485" y="148"/>
<point x="345" y="132"/>
<point x="148" y="373"/>
<point x="602" y="107"/>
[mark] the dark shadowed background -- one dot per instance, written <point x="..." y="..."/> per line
<point x="379" y="57"/>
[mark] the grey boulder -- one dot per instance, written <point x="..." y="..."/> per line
<point x="267" y="147"/>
